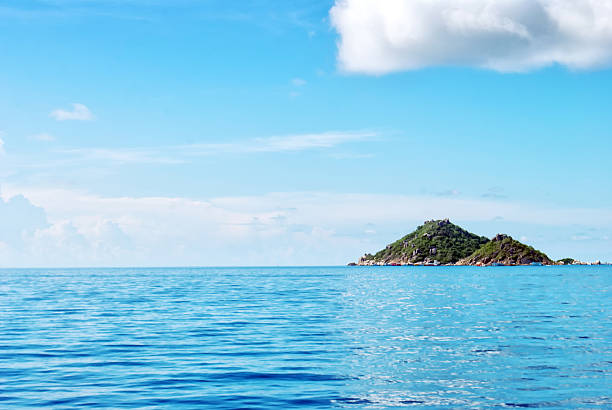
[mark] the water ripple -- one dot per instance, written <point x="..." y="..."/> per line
<point x="306" y="337"/>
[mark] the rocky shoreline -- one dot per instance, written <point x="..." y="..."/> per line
<point x="577" y="263"/>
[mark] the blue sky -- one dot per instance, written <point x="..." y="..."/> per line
<point x="303" y="135"/>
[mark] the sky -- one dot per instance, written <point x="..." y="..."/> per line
<point x="216" y="133"/>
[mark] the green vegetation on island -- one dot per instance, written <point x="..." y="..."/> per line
<point x="440" y="242"/>
<point x="435" y="241"/>
<point x="504" y="250"/>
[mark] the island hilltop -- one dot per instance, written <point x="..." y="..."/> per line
<point x="440" y="242"/>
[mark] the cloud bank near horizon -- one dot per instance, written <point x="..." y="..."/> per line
<point x="502" y="35"/>
<point x="54" y="227"/>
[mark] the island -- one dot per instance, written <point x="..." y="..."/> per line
<point x="440" y="242"/>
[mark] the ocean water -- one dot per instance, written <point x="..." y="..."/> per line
<point x="372" y="337"/>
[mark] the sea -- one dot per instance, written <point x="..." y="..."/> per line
<point x="307" y="337"/>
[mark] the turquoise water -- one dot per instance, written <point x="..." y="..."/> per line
<point x="306" y="337"/>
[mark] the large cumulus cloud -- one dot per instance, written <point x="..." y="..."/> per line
<point x="18" y="219"/>
<point x="378" y="37"/>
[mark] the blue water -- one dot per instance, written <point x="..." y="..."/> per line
<point x="307" y="337"/>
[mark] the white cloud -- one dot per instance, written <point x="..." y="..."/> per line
<point x="298" y="82"/>
<point x="307" y="141"/>
<point x="378" y="37"/>
<point x="79" y="112"/>
<point x="2" y="152"/>
<point x="42" y="137"/>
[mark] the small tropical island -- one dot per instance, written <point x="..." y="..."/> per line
<point x="440" y="242"/>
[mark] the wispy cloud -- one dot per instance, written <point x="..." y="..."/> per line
<point x="181" y="153"/>
<point x="302" y="14"/>
<point x="495" y="192"/>
<point x="350" y="155"/>
<point x="307" y="141"/>
<point x="42" y="137"/>
<point x="448" y="192"/>
<point x="125" y="155"/>
<point x="79" y="113"/>
<point x="298" y="82"/>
